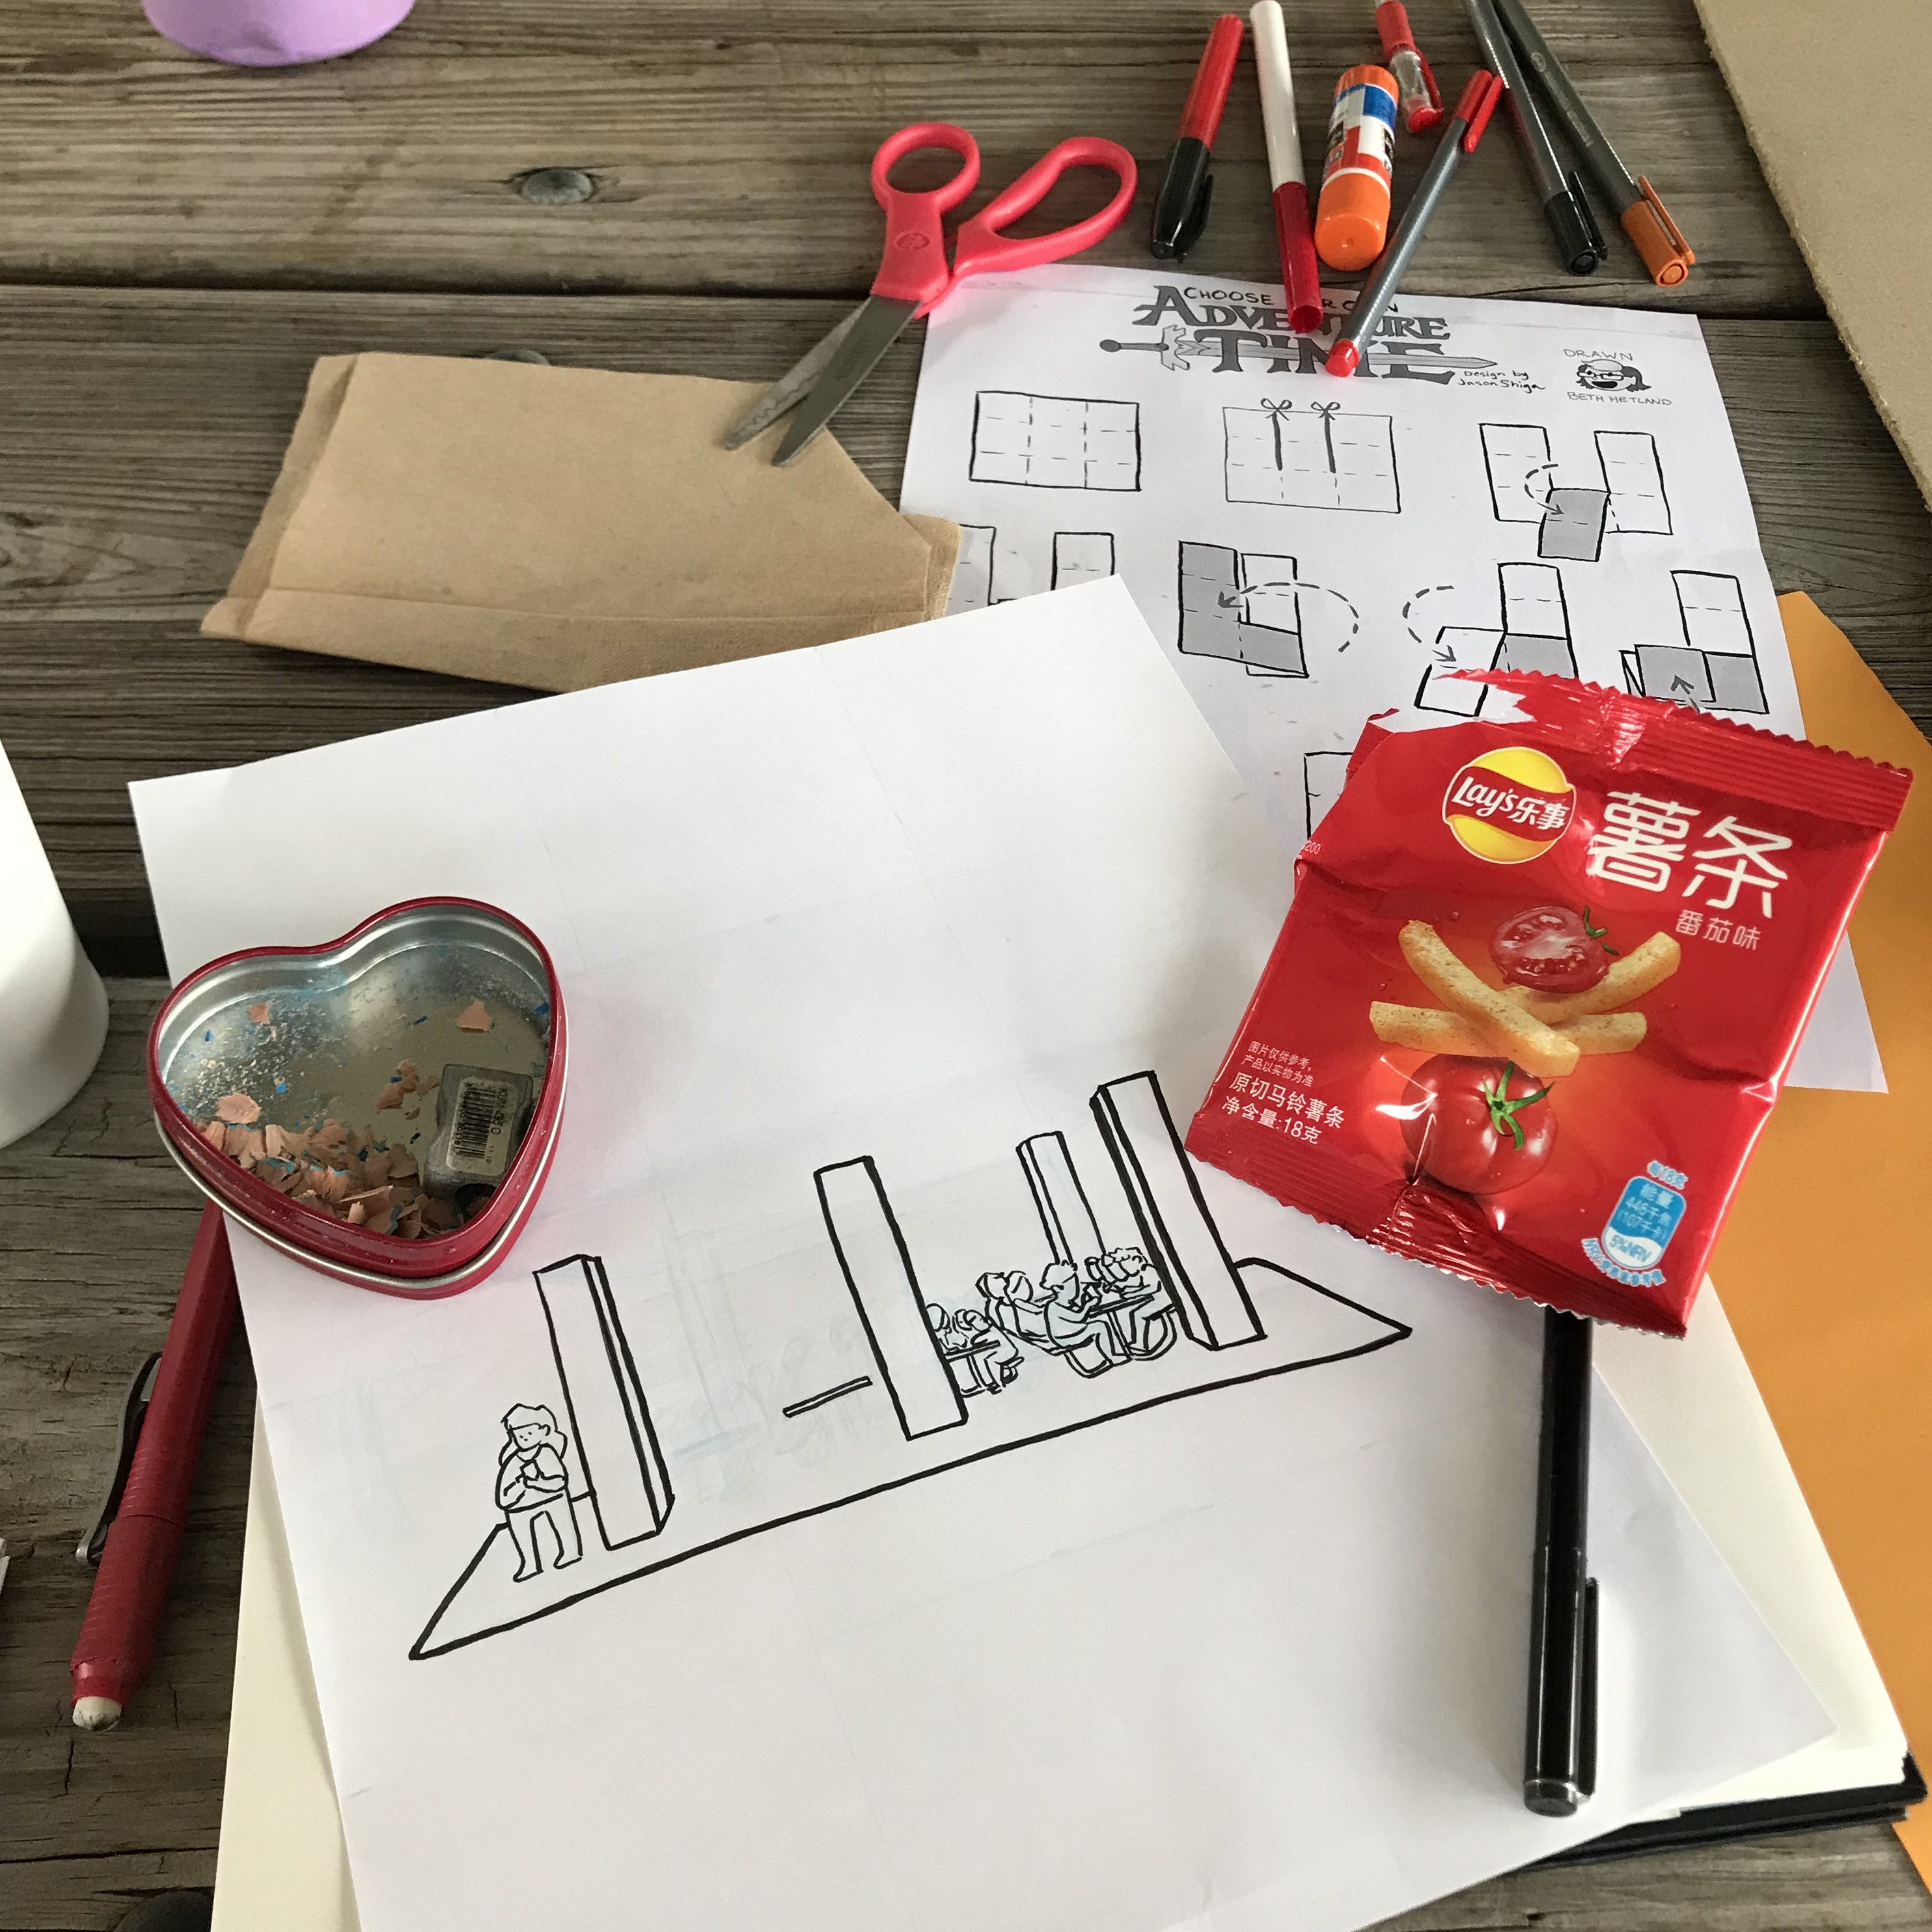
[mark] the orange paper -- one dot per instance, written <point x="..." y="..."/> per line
<point x="1824" y="1263"/>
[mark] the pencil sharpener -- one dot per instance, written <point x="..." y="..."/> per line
<point x="384" y="1107"/>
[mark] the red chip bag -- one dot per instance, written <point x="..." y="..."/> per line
<point x="1539" y="987"/>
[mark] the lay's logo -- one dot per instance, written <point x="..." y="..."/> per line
<point x="1509" y="806"/>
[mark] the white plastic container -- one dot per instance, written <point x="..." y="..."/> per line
<point x="53" y="1009"/>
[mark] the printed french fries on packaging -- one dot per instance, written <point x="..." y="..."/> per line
<point x="1540" y="985"/>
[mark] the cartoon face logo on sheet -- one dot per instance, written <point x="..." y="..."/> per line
<point x="1602" y="373"/>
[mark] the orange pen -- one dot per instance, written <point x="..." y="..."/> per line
<point x="1352" y="218"/>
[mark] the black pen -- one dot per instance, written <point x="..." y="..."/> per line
<point x="1559" y="1767"/>
<point x="1573" y="226"/>
<point x="1186" y="187"/>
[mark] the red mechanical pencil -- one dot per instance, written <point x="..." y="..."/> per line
<point x="117" y="1636"/>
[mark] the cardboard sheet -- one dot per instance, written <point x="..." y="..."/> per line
<point x="1805" y="77"/>
<point x="889" y="966"/>
<point x="1824" y="1262"/>
<point x="561" y="528"/>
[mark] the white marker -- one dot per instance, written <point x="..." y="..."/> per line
<point x="1293" y="229"/>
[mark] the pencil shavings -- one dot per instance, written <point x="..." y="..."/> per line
<point x="474" y="1018"/>
<point x="352" y="1174"/>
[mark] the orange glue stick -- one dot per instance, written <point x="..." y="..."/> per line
<point x="1352" y="218"/>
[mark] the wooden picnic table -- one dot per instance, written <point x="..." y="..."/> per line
<point x="678" y="186"/>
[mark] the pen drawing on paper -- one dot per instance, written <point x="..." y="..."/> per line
<point x="1127" y="1299"/>
<point x="1056" y="442"/>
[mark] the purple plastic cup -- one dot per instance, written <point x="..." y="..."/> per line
<point x="274" y="33"/>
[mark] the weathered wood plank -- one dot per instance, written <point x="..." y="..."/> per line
<point x="145" y="430"/>
<point x="726" y="141"/>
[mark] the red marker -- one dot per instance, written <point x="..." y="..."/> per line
<point x="1294" y="230"/>
<point x="117" y="1636"/>
<point x="1181" y="208"/>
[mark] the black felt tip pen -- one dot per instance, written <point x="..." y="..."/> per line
<point x="1186" y="187"/>
<point x="1573" y="225"/>
<point x="1559" y="1768"/>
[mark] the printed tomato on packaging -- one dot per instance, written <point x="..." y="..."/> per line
<point x="1539" y="986"/>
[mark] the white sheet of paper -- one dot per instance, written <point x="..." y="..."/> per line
<point x="1531" y="486"/>
<point x="1231" y="1635"/>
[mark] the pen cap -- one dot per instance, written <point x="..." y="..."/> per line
<point x="56" y="1009"/>
<point x="1200" y="117"/>
<point x="1656" y="237"/>
<point x="1351" y="218"/>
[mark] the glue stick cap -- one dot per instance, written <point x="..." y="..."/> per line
<point x="1352" y="218"/>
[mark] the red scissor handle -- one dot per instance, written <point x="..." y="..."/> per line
<point x="912" y="268"/>
<point x="979" y="246"/>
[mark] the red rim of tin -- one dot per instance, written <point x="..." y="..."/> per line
<point x="422" y="1269"/>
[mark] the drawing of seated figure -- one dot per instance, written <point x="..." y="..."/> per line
<point x="1056" y="1315"/>
<point x="1078" y="1329"/>
<point x="1149" y="1315"/>
<point x="982" y="1357"/>
<point x="1014" y="1306"/>
<point x="533" y="1486"/>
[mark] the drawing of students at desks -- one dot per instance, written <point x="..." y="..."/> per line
<point x="533" y="1486"/>
<point x="983" y="1358"/>
<point x="1132" y="1295"/>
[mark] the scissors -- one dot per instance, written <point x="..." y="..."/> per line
<point x="913" y="278"/>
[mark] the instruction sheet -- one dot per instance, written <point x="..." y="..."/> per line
<point x="1519" y="486"/>
<point x="889" y="1486"/>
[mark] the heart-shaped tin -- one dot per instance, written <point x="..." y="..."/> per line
<point x="332" y="1037"/>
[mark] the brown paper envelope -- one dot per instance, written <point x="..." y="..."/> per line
<point x="561" y="528"/>
<point x="1825" y="1263"/>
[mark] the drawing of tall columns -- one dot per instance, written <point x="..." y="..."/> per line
<point x="878" y="1270"/>
<point x="1536" y="621"/>
<point x="1177" y="1231"/>
<point x="1635" y="479"/>
<point x="610" y="1421"/>
<point x="1072" y="1232"/>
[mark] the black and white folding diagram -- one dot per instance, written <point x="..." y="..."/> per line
<point x="1715" y="668"/>
<point x="1322" y="775"/>
<point x="1122" y="1298"/>
<point x="1242" y="605"/>
<point x="1624" y="497"/>
<point x="1079" y="557"/>
<point x="1055" y="442"/>
<point x="1534" y="636"/>
<point x="1318" y="457"/>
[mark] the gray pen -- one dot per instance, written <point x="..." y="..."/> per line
<point x="1579" y="243"/>
<point x="1460" y="133"/>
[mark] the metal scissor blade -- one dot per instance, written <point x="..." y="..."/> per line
<point x="874" y="329"/>
<point x="791" y="387"/>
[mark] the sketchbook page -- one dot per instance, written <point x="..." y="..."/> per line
<point x="1525" y="486"/>
<point x="946" y="1460"/>
<point x="1698" y="1410"/>
<point x="281" y="1861"/>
